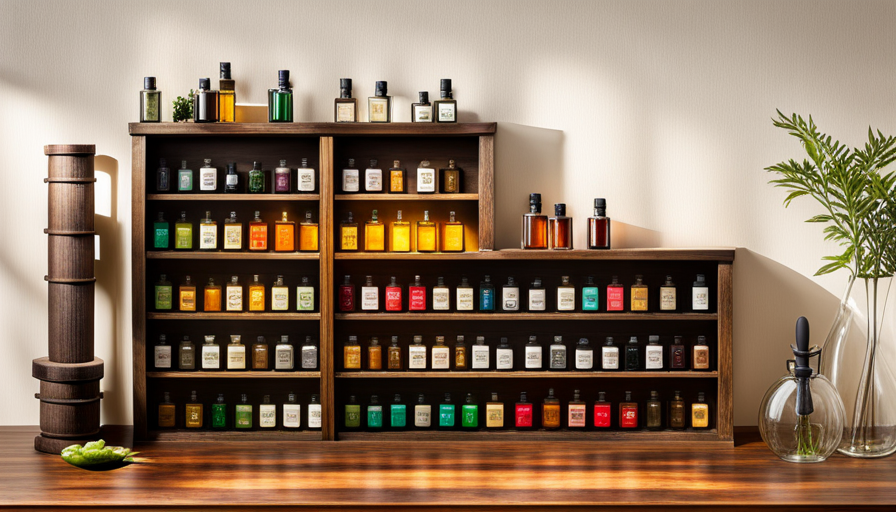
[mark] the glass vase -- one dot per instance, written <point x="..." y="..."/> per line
<point x="856" y="358"/>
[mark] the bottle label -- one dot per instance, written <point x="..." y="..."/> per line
<point x="701" y="298"/>
<point x="505" y="359"/>
<point x="378" y="111"/>
<point x="441" y="300"/>
<point x="183" y="237"/>
<point x="610" y="358"/>
<point x="345" y="112"/>
<point x="480" y="357"/>
<point x="536" y="300"/>
<point x="589" y="299"/>
<point x="374" y="180"/>
<point x="465" y="299"/>
<point x="629" y="417"/>
<point x="309" y="358"/>
<point x="352" y="415"/>
<point x="350" y="180"/>
<point x="281" y="181"/>
<point x="267" y="415"/>
<point x="396" y="181"/>
<point x="349" y="238"/>
<point x="602" y="415"/>
<point x="558" y="358"/>
<point x="163" y="297"/>
<point x="306" y="299"/>
<point x="353" y="357"/>
<point x="283" y="359"/>
<point x="584" y="359"/>
<point x="163" y="356"/>
<point x="700" y="416"/>
<point x="417" y="357"/>
<point x="470" y="416"/>
<point x="677" y="356"/>
<point x="236" y="358"/>
<point x="523" y="415"/>
<point x="494" y="415"/>
<point x="701" y="358"/>
<point x="370" y="298"/>
<point x="280" y="298"/>
<point x="187" y="361"/>
<point x="256" y="298"/>
<point x="676" y="415"/>
<point x="460" y="357"/>
<point x="306" y="180"/>
<point x="576" y="415"/>
<point x="208" y="180"/>
<point x="283" y="237"/>
<point x="639" y="298"/>
<point x="394" y="358"/>
<point x="454" y="237"/>
<point x="231" y="180"/>
<point x="447" y="113"/>
<point x="188" y="300"/>
<point x="244" y="416"/>
<point x="399" y="416"/>
<point x="256" y="181"/>
<point x="423" y="113"/>
<point x="185" y="181"/>
<point x="654" y="358"/>
<point x="533" y="357"/>
<point x="440" y="358"/>
<point x="446" y="415"/>
<point x="615" y="301"/>
<point x="511" y="298"/>
<point x="426" y="179"/>
<point x="314" y="416"/>
<point x="234" y="298"/>
<point x="160" y="240"/>
<point x="486" y="299"/>
<point x="208" y="237"/>
<point x="566" y="299"/>
<point x="211" y="359"/>
<point x="258" y="238"/>
<point x="393" y="298"/>
<point x="233" y="236"/>
<point x="422" y="416"/>
<point x="219" y="415"/>
<point x="451" y="181"/>
<point x="374" y="416"/>
<point x="551" y="416"/>
<point x="346" y="298"/>
<point x="667" y="298"/>
<point x="292" y="414"/>
<point x="418" y="298"/>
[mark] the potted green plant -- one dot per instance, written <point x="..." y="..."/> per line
<point x="183" y="109"/>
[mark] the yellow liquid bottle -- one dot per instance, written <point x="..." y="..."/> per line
<point x="284" y="235"/>
<point x="348" y="234"/>
<point x="226" y="95"/>
<point x="494" y="413"/>
<point x="639" y="295"/>
<point x="400" y="238"/>
<point x="452" y="235"/>
<point x="308" y="234"/>
<point x="374" y="235"/>
<point x="352" y="354"/>
<point x="700" y="412"/>
<point x="194" y="412"/>
<point x="397" y="179"/>
<point x="212" y="297"/>
<point x="187" y="295"/>
<point x="427" y="241"/>
<point x="256" y="295"/>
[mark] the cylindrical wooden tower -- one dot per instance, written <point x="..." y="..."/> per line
<point x="70" y="377"/>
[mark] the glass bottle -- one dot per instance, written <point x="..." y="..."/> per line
<point x="398" y="413"/>
<point x="602" y="411"/>
<point x="260" y="354"/>
<point x="504" y="356"/>
<point x="231" y="179"/>
<point x="510" y="296"/>
<point x="280" y="108"/>
<point x="486" y="295"/>
<point x="183" y="233"/>
<point x="494" y="413"/>
<point x="256" y="179"/>
<point x="523" y="412"/>
<point x="639" y="295"/>
<point x="550" y="411"/>
<point x="282" y="179"/>
<point x="393" y="296"/>
<point x="653" y="354"/>
<point x="480" y="354"/>
<point x="305" y="179"/>
<point x="654" y="412"/>
<point x="441" y="355"/>
<point x="441" y="296"/>
<point x="236" y="354"/>
<point x="351" y="178"/>
<point x="310" y="352"/>
<point x="668" y="296"/>
<point x="370" y="295"/>
<point x="397" y="181"/>
<point x="186" y="355"/>
<point x="243" y="414"/>
<point x="257" y="300"/>
<point x="233" y="233"/>
<point x="346" y="107"/>
<point x="469" y="413"/>
<point x="400" y="238"/>
<point x="226" y="95"/>
<point x="700" y="412"/>
<point x="632" y="361"/>
<point x="352" y="413"/>
<point x="615" y="296"/>
<point x="537" y="296"/>
<point x="187" y="295"/>
<point x="373" y="178"/>
<point x="676" y="412"/>
<point x="584" y="355"/>
<point x="426" y="178"/>
<point x="460" y="353"/>
<point x="352" y="354"/>
<point x="421" y="112"/>
<point x="150" y="101"/>
<point x="348" y="234"/>
<point x="208" y="233"/>
<point x="347" y="295"/>
<point x="452" y="235"/>
<point x="417" y="295"/>
<point x="211" y="354"/>
<point x="374" y="234"/>
<point x="558" y="354"/>
<point x="284" y="235"/>
<point x="535" y="225"/>
<point x="609" y="355"/>
<point x="422" y="413"/>
<point x="566" y="295"/>
<point x="267" y="413"/>
<point x="394" y="355"/>
<point x="374" y="354"/>
<point x="590" y="301"/>
<point x="193" y="417"/>
<point x="599" y="226"/>
<point x="417" y="354"/>
<point x="379" y="106"/>
<point x="560" y="229"/>
<point x="700" y="294"/>
<point x="533" y="354"/>
<point x="445" y="108"/>
<point x="427" y="240"/>
<point x="162" y="353"/>
<point x="451" y="179"/>
<point x="205" y="103"/>
<point x="219" y="412"/>
<point x="279" y="295"/>
<point x="447" y="413"/>
<point x="576" y="416"/>
<point x="700" y="357"/>
<point x="208" y="177"/>
<point x="628" y="412"/>
<point x="184" y="178"/>
<point x="374" y="413"/>
<point x="292" y="412"/>
<point x="160" y="232"/>
<point x="464" y="295"/>
<point x="315" y="413"/>
<point x="163" y="293"/>
<point x="308" y="234"/>
<point x="258" y="234"/>
<point x="677" y="354"/>
<point x="163" y="176"/>
<point x="234" y="291"/>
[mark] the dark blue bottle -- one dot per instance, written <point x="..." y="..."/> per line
<point x="486" y="295"/>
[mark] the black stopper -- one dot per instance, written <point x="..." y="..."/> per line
<point x="600" y="202"/>
<point x="204" y="84"/>
<point x="225" y="71"/>
<point x="424" y="96"/>
<point x="345" y="83"/>
<point x="283" y="78"/>
<point x="802" y="371"/>
<point x="560" y="210"/>
<point x="149" y="83"/>
<point x="445" y="84"/>
<point x="382" y="88"/>
<point x="534" y="198"/>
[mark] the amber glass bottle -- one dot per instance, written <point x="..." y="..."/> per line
<point x="550" y="411"/>
<point x="374" y="354"/>
<point x="535" y="225"/>
<point x="560" y="229"/>
<point x="308" y="234"/>
<point x="599" y="226"/>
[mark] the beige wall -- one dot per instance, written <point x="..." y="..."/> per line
<point x="662" y="107"/>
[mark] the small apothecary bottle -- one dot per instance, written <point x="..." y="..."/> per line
<point x="310" y="353"/>
<point x="537" y="296"/>
<point x="447" y="412"/>
<point x="373" y="178"/>
<point x="486" y="295"/>
<point x="400" y="238"/>
<point x="193" y="416"/>
<point x="163" y="293"/>
<point x="700" y="357"/>
<point x="632" y="359"/>
<point x="315" y="413"/>
<point x="422" y="413"/>
<point x="379" y="106"/>
<point x="427" y="236"/>
<point x="219" y="412"/>
<point x="231" y="179"/>
<point x="234" y="293"/>
<point x="393" y="296"/>
<point x="445" y="107"/>
<point x="560" y="229"/>
<point x="205" y="103"/>
<point x="233" y="233"/>
<point x="208" y="233"/>
<point x="584" y="355"/>
<point x="558" y="354"/>
<point x="676" y="412"/>
<point x="421" y="112"/>
<point x="347" y="295"/>
<point x="208" y="177"/>
<point x="260" y="354"/>
<point x="550" y="411"/>
<point x="150" y="101"/>
<point x="163" y="176"/>
<point x="494" y="413"/>
<point x="258" y="234"/>
<point x="348" y="234"/>
<point x="602" y="411"/>
<point x="226" y="95"/>
<point x="523" y="412"/>
<point x="417" y="295"/>
<point x="284" y="355"/>
<point x="576" y="411"/>
<point x="566" y="295"/>
<point x="292" y="412"/>
<point x="426" y="178"/>
<point x="628" y="412"/>
<point x="374" y="234"/>
<point x="615" y="295"/>
<point x="398" y="413"/>
<point x="352" y="413"/>
<point x="469" y="413"/>
<point x="640" y="295"/>
<point x="282" y="179"/>
<point x="677" y="354"/>
<point x="351" y="178"/>
<point x="284" y="235"/>
<point x="479" y="353"/>
<point x="653" y="354"/>
<point x="374" y="354"/>
<point x="504" y="356"/>
<point x="352" y="354"/>
<point x="236" y="354"/>
<point x="590" y="295"/>
<point x="346" y="107"/>
<point x="267" y="413"/>
<point x="211" y="354"/>
<point x="256" y="179"/>
<point x="452" y="239"/>
<point x="280" y="108"/>
<point x="533" y="359"/>
<point x="279" y="295"/>
<point x="700" y="294"/>
<point x="450" y="179"/>
<point x="535" y="225"/>
<point x="305" y="181"/>
<point x="510" y="296"/>
<point x="187" y="295"/>
<point x="460" y="353"/>
<point x="243" y="413"/>
<point x="161" y="232"/>
<point x="441" y="296"/>
<point x="186" y="355"/>
<point x="374" y="413"/>
<point x="668" y="295"/>
<point x="417" y="354"/>
<point x="599" y="226"/>
<point x="257" y="301"/>
<point x="184" y="178"/>
<point x="162" y="353"/>
<point x="394" y="355"/>
<point x="654" y="412"/>
<point x="609" y="355"/>
<point x="397" y="179"/>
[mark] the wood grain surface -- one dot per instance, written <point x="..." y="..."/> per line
<point x="359" y="129"/>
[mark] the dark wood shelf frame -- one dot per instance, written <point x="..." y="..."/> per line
<point x="495" y="435"/>
<point x="446" y="374"/>
<point x="597" y="317"/>
<point x="233" y="197"/>
<point x="250" y="374"/>
<point x="220" y="255"/>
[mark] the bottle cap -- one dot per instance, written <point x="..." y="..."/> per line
<point x="231" y="167"/>
<point x="535" y="199"/>
<point x="600" y="202"/>
<point x="149" y="82"/>
<point x="204" y="84"/>
<point x="397" y="398"/>
<point x="583" y="341"/>
<point x="701" y="280"/>
<point x="609" y="340"/>
<point x="283" y="77"/>
<point x="220" y="397"/>
<point x="382" y="88"/>
<point x="345" y="83"/>
<point x="653" y="339"/>
<point x="560" y="210"/>
<point x="162" y="162"/>
<point x="374" y="399"/>
<point x="225" y="71"/>
<point x="424" y="96"/>
<point x="445" y="84"/>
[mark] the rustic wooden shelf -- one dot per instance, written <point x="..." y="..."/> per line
<point x="200" y="315"/>
<point x="222" y="255"/>
<point x="314" y="129"/>
<point x="233" y="197"/>
<point x="257" y="374"/>
<point x="361" y="255"/>
<point x="721" y="254"/>
<point x="233" y="435"/>
<point x="435" y="434"/>
<point x="407" y="316"/>
<point x="407" y="197"/>
<point x="545" y="374"/>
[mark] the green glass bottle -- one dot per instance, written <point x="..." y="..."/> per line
<point x="243" y="414"/>
<point x="160" y="231"/>
<point x="163" y="293"/>
<point x="398" y="413"/>
<point x="589" y="295"/>
<point x="280" y="100"/>
<point x="469" y="413"/>
<point x="352" y="413"/>
<point x="256" y="179"/>
<point x="446" y="412"/>
<point x="219" y="413"/>
<point x="374" y="413"/>
<point x="184" y="178"/>
<point x="183" y="233"/>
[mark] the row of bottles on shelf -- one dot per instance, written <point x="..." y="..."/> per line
<point x="242" y="413"/>
<point x="444" y="415"/>
<point x="259" y="239"/>
<point x="282" y="179"/>
<point x="630" y="357"/>
<point x="428" y="235"/>
<point x="235" y="356"/>
<point x="541" y="232"/>
<point x="212" y="106"/>
<point x="439" y="296"/>
<point x="447" y="181"/>
<point x="232" y="297"/>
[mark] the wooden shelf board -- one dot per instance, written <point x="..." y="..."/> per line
<point x="232" y="435"/>
<point x="233" y="197"/>
<point x="407" y="197"/>
<point x="721" y="254"/>
<point x="236" y="255"/>
<point x="360" y="255"/>
<point x="528" y="316"/>
<point x="232" y="316"/>
<point x="434" y="434"/>
<point x="232" y="375"/>
<point x="313" y="129"/>
<point x="525" y="375"/>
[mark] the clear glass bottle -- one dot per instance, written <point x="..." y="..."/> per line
<point x="441" y="296"/>
<point x="486" y="295"/>
<point x="450" y="179"/>
<point x="445" y="108"/>
<point x="599" y="226"/>
<point x="351" y="353"/>
<point x="566" y="295"/>
<point x="469" y="413"/>
<point x="352" y="413"/>
<point x="374" y="234"/>
<point x="700" y="357"/>
<point x="427" y="239"/>
<point x="464" y="295"/>
<point x="537" y="296"/>
<point x="510" y="296"/>
<point x="284" y="235"/>
<point x="292" y="412"/>
<point x="284" y="355"/>
<point x="700" y="294"/>
<point x="208" y="177"/>
<point x="267" y="413"/>
<point x="460" y="353"/>
<point x="310" y="354"/>
<point x="243" y="414"/>
<point x="504" y="356"/>
<point x="150" y="101"/>
<point x="452" y="235"/>
<point x="560" y="229"/>
<point x="187" y="295"/>
<point x="668" y="296"/>
<point x="226" y="95"/>
<point x="632" y="358"/>
<point x="373" y="178"/>
<point x="347" y="295"/>
<point x="676" y="412"/>
<point x="400" y="236"/>
<point x="584" y="355"/>
<point x="398" y="413"/>
<point x="260" y="354"/>
<point x="441" y="355"/>
<point x="193" y="416"/>
<point x="315" y="413"/>
<point x="653" y="353"/>
<point x="426" y="178"/>
<point x="615" y="296"/>
<point x="494" y="413"/>
<point x="186" y="355"/>
<point x="279" y="295"/>
<point x="394" y="355"/>
<point x="280" y="105"/>
<point x="163" y="294"/>
<point x="233" y="233"/>
<point x="184" y="178"/>
<point x="422" y="413"/>
<point x="558" y="354"/>
<point x="640" y="295"/>
<point x="258" y="234"/>
<point x="535" y="225"/>
<point x="183" y="233"/>
<point x="374" y="354"/>
<point x="346" y="107"/>
<point x="479" y="353"/>
<point x="236" y="354"/>
<point x="654" y="412"/>
<point x="162" y="354"/>
<point x="417" y="295"/>
<point x="282" y="178"/>
<point x="609" y="355"/>
<point x="256" y="179"/>
<point x="231" y="179"/>
<point x="160" y="232"/>
<point x="305" y="178"/>
<point x="211" y="354"/>
<point x="351" y="178"/>
<point x="163" y="176"/>
<point x="208" y="233"/>
<point x="370" y="295"/>
<point x="305" y="296"/>
<point x="397" y="179"/>
<point x="257" y="300"/>
<point x="533" y="353"/>
<point x="602" y="411"/>
<point x="374" y="413"/>
<point x="205" y="103"/>
<point x="379" y="106"/>
<point x="417" y="354"/>
<point x="550" y="411"/>
<point x="348" y="234"/>
<point x="219" y="412"/>
<point x="234" y="293"/>
<point x="421" y="112"/>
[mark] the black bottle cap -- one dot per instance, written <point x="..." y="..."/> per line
<point x="424" y="96"/>
<point x="382" y="88"/>
<point x="534" y="198"/>
<point x="225" y="70"/>
<point x="600" y="202"/>
<point x="149" y="82"/>
<point x="204" y="84"/>
<point x="560" y="210"/>
<point x="445" y="84"/>
<point x="345" y="83"/>
<point x="283" y="77"/>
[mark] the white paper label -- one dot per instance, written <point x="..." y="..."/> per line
<point x="233" y="236"/>
<point x="440" y="358"/>
<point x="417" y="357"/>
<point x="283" y="359"/>
<point x="350" y="180"/>
<point x="480" y="357"/>
<point x="533" y="358"/>
<point x="374" y="180"/>
<point x="280" y="298"/>
<point x="267" y="415"/>
<point x="465" y="299"/>
<point x="211" y="357"/>
<point x="536" y="300"/>
<point x="370" y="298"/>
<point x="441" y="299"/>
<point x="234" y="298"/>
<point x="314" y="416"/>
<point x="422" y="415"/>
<point x="208" y="179"/>
<point x="667" y="298"/>
<point x="566" y="299"/>
<point x="701" y="298"/>
<point x="163" y="356"/>
<point x="236" y="357"/>
<point x="208" y="237"/>
<point x="426" y="179"/>
<point x="306" y="180"/>
<point x="505" y="358"/>
<point x="584" y="359"/>
<point x="292" y="414"/>
<point x="511" y="298"/>
<point x="610" y="358"/>
<point x="305" y="298"/>
<point x="654" y="357"/>
<point x="447" y="112"/>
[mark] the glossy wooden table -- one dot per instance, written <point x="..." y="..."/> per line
<point x="472" y="476"/>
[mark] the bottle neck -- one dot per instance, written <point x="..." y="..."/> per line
<point x="345" y="93"/>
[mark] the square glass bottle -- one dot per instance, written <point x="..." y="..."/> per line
<point x="445" y="108"/>
<point x="379" y="106"/>
<point x="280" y="105"/>
<point x="151" y="101"/>
<point x="427" y="239"/>
<point x="535" y="225"/>
<point x="400" y="236"/>
<point x="599" y="226"/>
<point x="421" y="112"/>
<point x="373" y="178"/>
<point x="397" y="179"/>
<point x="426" y="178"/>
<point x="346" y="110"/>
<point x="205" y="103"/>
<point x="560" y="229"/>
<point x="452" y="235"/>
<point x="226" y="95"/>
<point x="450" y="179"/>
<point x="309" y="240"/>
<point x="374" y="234"/>
<point x="284" y="235"/>
<point x="348" y="234"/>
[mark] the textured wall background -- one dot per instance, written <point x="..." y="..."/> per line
<point x="661" y="107"/>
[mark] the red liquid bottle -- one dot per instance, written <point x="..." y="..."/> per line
<point x="523" y="412"/>
<point x="599" y="226"/>
<point x="393" y="296"/>
<point x="615" y="296"/>
<point x="347" y="295"/>
<point x="677" y="354"/>
<point x="417" y="293"/>
<point x="602" y="411"/>
<point x="628" y="412"/>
